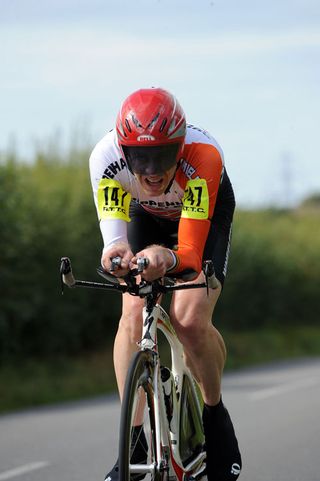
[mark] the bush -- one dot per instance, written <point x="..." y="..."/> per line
<point x="274" y="271"/>
<point x="47" y="212"/>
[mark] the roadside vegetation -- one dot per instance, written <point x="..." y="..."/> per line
<point x="55" y="348"/>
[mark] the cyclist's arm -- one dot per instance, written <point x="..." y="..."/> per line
<point x="111" y="200"/>
<point x="113" y="211"/>
<point x="198" y="207"/>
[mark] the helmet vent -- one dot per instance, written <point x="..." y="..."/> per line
<point x="136" y="122"/>
<point x="128" y="125"/>
<point x="123" y="132"/>
<point x="163" y="124"/>
<point x="153" y="121"/>
<point x="172" y="126"/>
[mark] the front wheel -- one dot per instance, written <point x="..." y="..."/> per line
<point x="137" y="443"/>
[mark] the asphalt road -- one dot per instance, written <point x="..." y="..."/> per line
<point x="275" y="411"/>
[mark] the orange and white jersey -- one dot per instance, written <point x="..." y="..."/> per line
<point x="191" y="197"/>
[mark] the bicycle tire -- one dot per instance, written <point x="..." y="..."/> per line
<point x="191" y="427"/>
<point x="138" y="393"/>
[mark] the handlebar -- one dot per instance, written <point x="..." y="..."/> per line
<point x="142" y="263"/>
<point x="66" y="272"/>
<point x="143" y="288"/>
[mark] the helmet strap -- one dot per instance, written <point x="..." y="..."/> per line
<point x="171" y="181"/>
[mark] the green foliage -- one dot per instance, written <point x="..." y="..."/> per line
<point x="36" y="383"/>
<point x="311" y="202"/>
<point x="274" y="273"/>
<point x="47" y="212"/>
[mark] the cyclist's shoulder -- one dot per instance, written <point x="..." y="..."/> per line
<point x="198" y="134"/>
<point x="202" y="155"/>
<point x="106" y="159"/>
<point x="200" y="140"/>
<point x="107" y="145"/>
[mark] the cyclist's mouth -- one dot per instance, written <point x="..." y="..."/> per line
<point x="156" y="184"/>
<point x="153" y="184"/>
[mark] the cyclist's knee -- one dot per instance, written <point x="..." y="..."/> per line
<point x="191" y="330"/>
<point x="131" y="320"/>
<point x="194" y="332"/>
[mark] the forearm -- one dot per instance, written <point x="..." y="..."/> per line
<point x="113" y="231"/>
<point x="192" y="236"/>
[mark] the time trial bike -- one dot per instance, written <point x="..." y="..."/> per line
<point x="161" y="433"/>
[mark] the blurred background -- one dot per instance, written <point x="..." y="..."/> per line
<point x="249" y="73"/>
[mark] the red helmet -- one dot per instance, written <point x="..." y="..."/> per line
<point x="151" y="128"/>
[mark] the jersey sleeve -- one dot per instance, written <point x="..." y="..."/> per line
<point x="199" y="201"/>
<point x="112" y="201"/>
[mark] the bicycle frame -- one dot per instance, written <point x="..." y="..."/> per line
<point x="170" y="438"/>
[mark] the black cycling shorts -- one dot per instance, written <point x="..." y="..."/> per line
<point x="146" y="229"/>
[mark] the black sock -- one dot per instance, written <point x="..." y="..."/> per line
<point x="223" y="455"/>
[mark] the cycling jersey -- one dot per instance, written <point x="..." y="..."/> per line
<point x="191" y="196"/>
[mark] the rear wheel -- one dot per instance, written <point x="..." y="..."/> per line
<point x="137" y="444"/>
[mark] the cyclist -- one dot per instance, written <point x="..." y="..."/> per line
<point x="162" y="191"/>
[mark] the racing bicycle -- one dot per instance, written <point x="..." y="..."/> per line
<point x="162" y="407"/>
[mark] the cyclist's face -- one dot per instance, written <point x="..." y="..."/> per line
<point x="156" y="184"/>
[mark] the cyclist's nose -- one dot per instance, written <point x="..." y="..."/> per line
<point x="152" y="170"/>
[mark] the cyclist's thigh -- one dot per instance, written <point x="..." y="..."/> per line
<point x="132" y="307"/>
<point x="131" y="317"/>
<point x="194" y="308"/>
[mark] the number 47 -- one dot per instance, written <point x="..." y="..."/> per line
<point x="193" y="196"/>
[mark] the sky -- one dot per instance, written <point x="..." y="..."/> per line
<point x="247" y="71"/>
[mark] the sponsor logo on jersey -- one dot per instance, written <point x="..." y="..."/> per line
<point x="160" y="205"/>
<point x="188" y="169"/>
<point x="113" y="168"/>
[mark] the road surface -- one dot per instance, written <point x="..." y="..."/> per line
<point x="275" y="411"/>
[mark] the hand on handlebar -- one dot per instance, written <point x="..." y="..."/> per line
<point x="121" y="251"/>
<point x="160" y="260"/>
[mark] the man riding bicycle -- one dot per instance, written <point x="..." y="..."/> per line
<point x="162" y="192"/>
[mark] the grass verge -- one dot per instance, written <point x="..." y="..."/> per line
<point x="37" y="382"/>
<point x="247" y="348"/>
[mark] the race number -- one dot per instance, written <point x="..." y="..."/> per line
<point x="113" y="201"/>
<point x="195" y="200"/>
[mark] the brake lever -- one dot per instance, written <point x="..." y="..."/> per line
<point x="66" y="274"/>
<point x="211" y="280"/>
